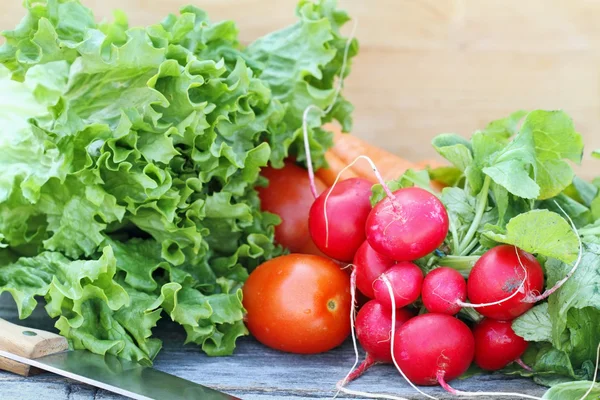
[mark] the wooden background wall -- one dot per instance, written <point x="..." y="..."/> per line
<point x="432" y="66"/>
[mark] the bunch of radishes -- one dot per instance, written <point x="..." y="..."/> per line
<point x="382" y="243"/>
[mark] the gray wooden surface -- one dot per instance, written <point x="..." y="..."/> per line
<point x="253" y="373"/>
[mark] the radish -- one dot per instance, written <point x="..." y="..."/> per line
<point x="496" y="344"/>
<point x="443" y="288"/>
<point x="369" y="265"/>
<point x="373" y="331"/>
<point x="406" y="279"/>
<point x="337" y="218"/>
<point x="501" y="280"/>
<point x="434" y="348"/>
<point x="407" y="226"/>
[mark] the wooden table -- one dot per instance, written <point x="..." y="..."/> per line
<point x="253" y="372"/>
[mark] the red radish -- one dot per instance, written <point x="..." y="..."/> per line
<point x="369" y="265"/>
<point x="434" y="347"/>
<point x="408" y="226"/>
<point x="442" y="289"/>
<point x="406" y="279"/>
<point x="496" y="344"/>
<point x="337" y="218"/>
<point x="505" y="277"/>
<point x="373" y="331"/>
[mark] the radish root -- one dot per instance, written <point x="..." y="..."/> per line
<point x="585" y="395"/>
<point x="356" y="372"/>
<point x="311" y="173"/>
<point x="380" y="179"/>
<point x="523" y="365"/>
<point x="391" y="293"/>
<point x="347" y="379"/>
<point x="548" y="292"/>
<point x="369" y="395"/>
<point x="456" y="392"/>
<point x="531" y="297"/>
<point x="520" y="289"/>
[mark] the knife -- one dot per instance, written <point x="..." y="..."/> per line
<point x="23" y="348"/>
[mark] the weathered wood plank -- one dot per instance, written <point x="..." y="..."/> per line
<point x="253" y="372"/>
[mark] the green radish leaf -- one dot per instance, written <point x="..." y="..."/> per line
<point x="455" y="149"/>
<point x="540" y="232"/>
<point x="575" y="308"/>
<point x="573" y="391"/>
<point x="410" y="178"/>
<point x="535" y="325"/>
<point x="449" y="176"/>
<point x="532" y="166"/>
<point x="485" y="143"/>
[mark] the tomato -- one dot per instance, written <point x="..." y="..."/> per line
<point x="298" y="303"/>
<point x="289" y="196"/>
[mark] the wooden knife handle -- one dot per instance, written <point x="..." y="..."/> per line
<point x="28" y="343"/>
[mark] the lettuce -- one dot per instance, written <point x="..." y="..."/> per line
<point x="130" y="158"/>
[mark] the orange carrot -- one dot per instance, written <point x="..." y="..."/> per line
<point x="348" y="147"/>
<point x="328" y="175"/>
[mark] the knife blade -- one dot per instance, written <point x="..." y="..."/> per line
<point x="107" y="372"/>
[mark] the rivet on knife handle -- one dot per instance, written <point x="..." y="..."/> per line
<point x="28" y="343"/>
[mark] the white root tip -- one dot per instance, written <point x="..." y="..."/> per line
<point x="519" y="290"/>
<point x="585" y="395"/>
<point x="388" y="284"/>
<point x="488" y="395"/>
<point x="368" y="395"/>
<point x="534" y="299"/>
<point x="352" y="323"/>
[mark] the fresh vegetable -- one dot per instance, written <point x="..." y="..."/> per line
<point x="411" y="225"/>
<point x="406" y="279"/>
<point x="298" y="303"/>
<point x="337" y="218"/>
<point x="516" y="213"/>
<point x="511" y="183"/>
<point x="443" y="289"/>
<point x="506" y="275"/>
<point x="369" y="265"/>
<point x="130" y="158"/>
<point x="496" y="344"/>
<point x="335" y="165"/>
<point x="348" y="147"/>
<point x="373" y="331"/>
<point x="434" y="347"/>
<point x="288" y="195"/>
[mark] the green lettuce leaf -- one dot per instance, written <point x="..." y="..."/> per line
<point x="131" y="157"/>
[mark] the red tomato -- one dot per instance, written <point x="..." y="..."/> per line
<point x="288" y="195"/>
<point x="298" y="303"/>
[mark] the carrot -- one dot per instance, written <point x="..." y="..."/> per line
<point x="348" y="147"/>
<point x="328" y="175"/>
